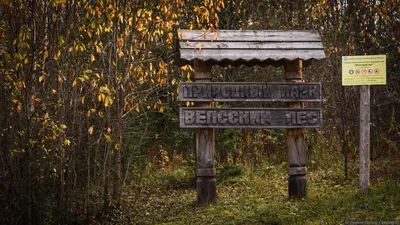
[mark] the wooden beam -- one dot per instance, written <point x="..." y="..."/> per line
<point x="295" y="140"/>
<point x="205" y="174"/>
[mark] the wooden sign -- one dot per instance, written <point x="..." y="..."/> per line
<point x="195" y="117"/>
<point x="250" y="92"/>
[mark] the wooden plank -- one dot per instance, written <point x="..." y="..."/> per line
<point x="250" y="35"/>
<point x="365" y="102"/>
<point x="250" y="45"/>
<point x="195" y="117"/>
<point x="237" y="54"/>
<point x="250" y="92"/>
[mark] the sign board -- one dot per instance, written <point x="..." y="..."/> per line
<point x="364" y="70"/>
<point x="250" y="92"/>
<point x="197" y="117"/>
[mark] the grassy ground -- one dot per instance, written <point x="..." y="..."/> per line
<point x="258" y="197"/>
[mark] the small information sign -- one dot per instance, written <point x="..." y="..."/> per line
<point x="364" y="70"/>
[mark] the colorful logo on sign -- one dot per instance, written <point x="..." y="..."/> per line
<point x="351" y="71"/>
<point x="357" y="71"/>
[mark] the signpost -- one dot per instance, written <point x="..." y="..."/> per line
<point x="290" y="49"/>
<point x="294" y="119"/>
<point x="364" y="70"/>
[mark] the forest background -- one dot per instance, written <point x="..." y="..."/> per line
<point x="89" y="97"/>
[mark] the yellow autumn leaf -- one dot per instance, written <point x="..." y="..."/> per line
<point x="74" y="83"/>
<point x="67" y="142"/>
<point x="120" y="54"/>
<point x="92" y="58"/>
<point x="57" y="56"/>
<point x="106" y="102"/>
<point x="90" y="130"/>
<point x="19" y="107"/>
<point x="83" y="100"/>
<point x="165" y="9"/>
<point x="98" y="50"/>
<point x="173" y="82"/>
<point x="54" y="91"/>
<point x="187" y="104"/>
<point x="41" y="78"/>
<point x="108" y="137"/>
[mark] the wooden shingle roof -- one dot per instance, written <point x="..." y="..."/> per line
<point x="248" y="47"/>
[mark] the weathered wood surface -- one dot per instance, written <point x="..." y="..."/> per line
<point x="194" y="117"/>
<point x="250" y="92"/>
<point x="250" y="35"/>
<point x="365" y="102"/>
<point x="295" y="139"/>
<point x="249" y="47"/>
<point x="205" y="174"/>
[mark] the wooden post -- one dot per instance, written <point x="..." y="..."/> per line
<point x="364" y="138"/>
<point x="295" y="140"/>
<point x="205" y="173"/>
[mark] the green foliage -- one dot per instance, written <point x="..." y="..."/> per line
<point x="260" y="199"/>
<point x="230" y="174"/>
<point x="227" y="141"/>
<point x="182" y="177"/>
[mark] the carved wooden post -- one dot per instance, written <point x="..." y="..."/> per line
<point x="205" y="173"/>
<point x="295" y="140"/>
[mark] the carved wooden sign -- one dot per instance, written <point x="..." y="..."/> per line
<point x="195" y="117"/>
<point x="250" y="92"/>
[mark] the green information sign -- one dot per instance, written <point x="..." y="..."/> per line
<point x="364" y="70"/>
